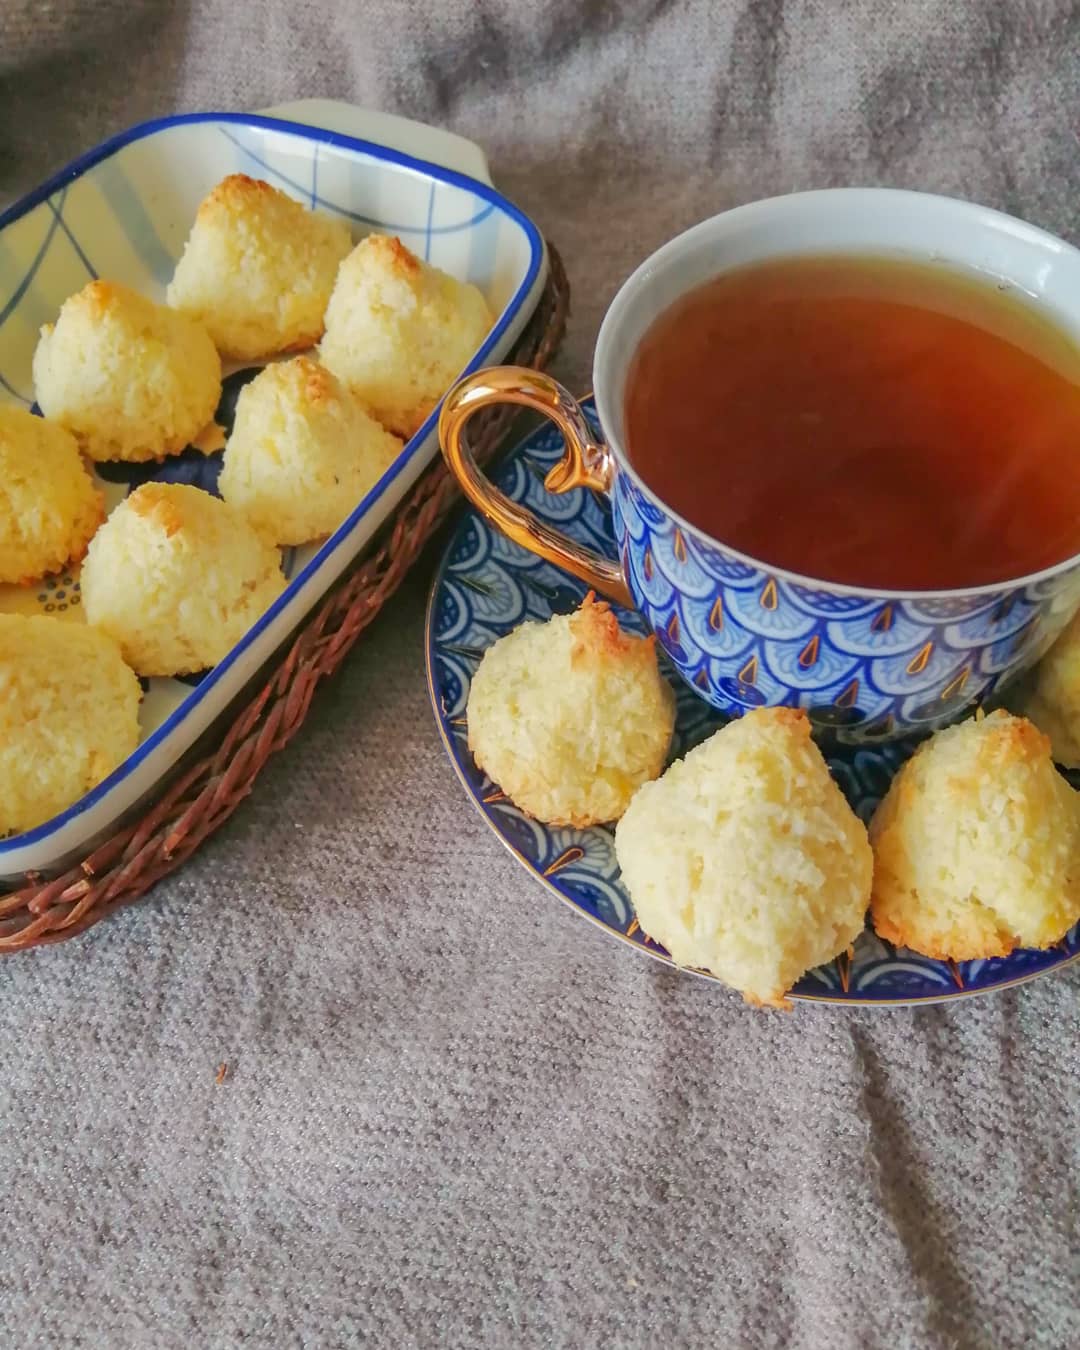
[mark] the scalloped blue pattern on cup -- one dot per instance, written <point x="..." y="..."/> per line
<point x="486" y="586"/>
<point x="867" y="666"/>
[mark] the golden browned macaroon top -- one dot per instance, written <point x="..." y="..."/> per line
<point x="398" y="257"/>
<point x="318" y="385"/>
<point x="153" y="502"/>
<point x="596" y="634"/>
<point x="100" y="296"/>
<point x="237" y="190"/>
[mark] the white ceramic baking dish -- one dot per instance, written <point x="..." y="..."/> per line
<point x="123" y="211"/>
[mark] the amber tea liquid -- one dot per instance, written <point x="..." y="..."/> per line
<point x="881" y="423"/>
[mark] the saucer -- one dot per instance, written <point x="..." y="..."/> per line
<point x="484" y="587"/>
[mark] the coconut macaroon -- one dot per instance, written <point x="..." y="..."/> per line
<point x="977" y="844"/>
<point x="177" y="577"/>
<point x="69" y="715"/>
<point x="130" y="379"/>
<point x="258" y="269"/>
<point x="1050" y="696"/>
<point x="49" y="504"/>
<point x="302" y="453"/>
<point x="745" y="859"/>
<point x="571" y="716"/>
<point x="398" y="331"/>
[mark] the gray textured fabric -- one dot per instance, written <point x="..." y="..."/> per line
<point x="455" y="1114"/>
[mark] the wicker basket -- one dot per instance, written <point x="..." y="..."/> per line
<point x="208" y="791"/>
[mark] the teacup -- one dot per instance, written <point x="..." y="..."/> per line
<point x="868" y="664"/>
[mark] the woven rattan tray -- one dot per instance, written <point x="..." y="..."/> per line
<point x="208" y="790"/>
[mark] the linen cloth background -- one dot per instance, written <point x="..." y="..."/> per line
<point x="455" y="1114"/>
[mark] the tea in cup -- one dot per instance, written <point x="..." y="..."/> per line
<point x="838" y="436"/>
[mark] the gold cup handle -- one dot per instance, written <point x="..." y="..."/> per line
<point x="587" y="462"/>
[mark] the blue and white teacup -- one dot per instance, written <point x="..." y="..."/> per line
<point x="871" y="665"/>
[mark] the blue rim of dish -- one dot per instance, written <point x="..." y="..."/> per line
<point x="450" y="745"/>
<point x="511" y="310"/>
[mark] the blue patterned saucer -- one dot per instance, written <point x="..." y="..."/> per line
<point x="485" y="586"/>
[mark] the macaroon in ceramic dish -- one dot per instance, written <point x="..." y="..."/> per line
<point x="132" y="380"/>
<point x="302" y="453"/>
<point x="69" y="715"/>
<point x="176" y="577"/>
<point x="398" y="330"/>
<point x="50" y="505"/>
<point x="258" y="268"/>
